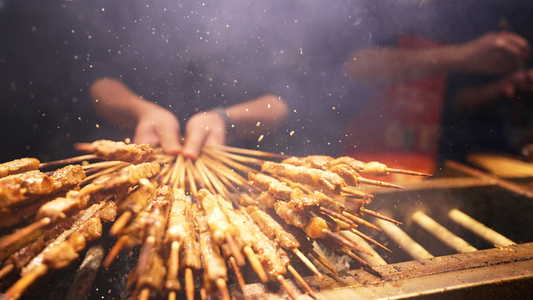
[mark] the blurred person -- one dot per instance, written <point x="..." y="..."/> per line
<point x="186" y="57"/>
<point x="492" y="53"/>
<point x="471" y="77"/>
<point x="156" y="125"/>
<point x="191" y="57"/>
<point x="183" y="74"/>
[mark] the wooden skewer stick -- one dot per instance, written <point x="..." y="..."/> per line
<point x="223" y="289"/>
<point x="223" y="170"/>
<point x="366" y="237"/>
<point x="144" y="255"/>
<point x="162" y="158"/>
<point x="169" y="171"/>
<point x="380" y="216"/>
<point x="135" y="294"/>
<point x="342" y="225"/>
<point x="365" y="265"/>
<point x="203" y="176"/>
<point x="228" y="184"/>
<point x="120" y="223"/>
<point x="67" y="161"/>
<point x="144" y="294"/>
<point x="233" y="163"/>
<point x="245" y="151"/>
<point x="236" y="157"/>
<point x="18" y="288"/>
<point x="215" y="181"/>
<point x="6" y="270"/>
<point x="105" y="172"/>
<point x="338" y="216"/>
<point x="24" y="232"/>
<point x="238" y="273"/>
<point x="344" y="241"/>
<point x="164" y="172"/>
<point x="378" y="183"/>
<point x="234" y="249"/>
<point x="190" y="176"/>
<point x="407" y="172"/>
<point x="113" y="253"/>
<point x="174" y="257"/>
<point x="287" y="287"/>
<point x="307" y="262"/>
<point x="323" y="261"/>
<point x="171" y="296"/>
<point x="256" y="264"/>
<point x="353" y="191"/>
<point x="375" y="259"/>
<point x="189" y="284"/>
<point x="218" y="184"/>
<point x="180" y="179"/>
<point x="203" y="293"/>
<point x="177" y="166"/>
<point x="349" y="221"/>
<point x="358" y="220"/>
<point x="103" y="164"/>
<point x="302" y="281"/>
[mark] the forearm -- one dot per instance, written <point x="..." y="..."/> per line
<point x="492" y="53"/>
<point x="117" y="103"/>
<point x="258" y="116"/>
<point x="252" y="118"/>
<point x="391" y="66"/>
<point x="472" y="98"/>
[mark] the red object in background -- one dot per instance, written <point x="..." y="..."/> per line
<point x="400" y="126"/>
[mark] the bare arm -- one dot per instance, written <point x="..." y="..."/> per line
<point x="158" y="126"/>
<point x="491" y="53"/>
<point x="153" y="124"/>
<point x="471" y="98"/>
<point x="391" y="66"/>
<point x="258" y="116"/>
<point x="254" y="117"/>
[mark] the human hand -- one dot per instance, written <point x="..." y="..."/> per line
<point x="495" y="53"/>
<point x="515" y="83"/>
<point x="158" y="126"/>
<point x="509" y="87"/>
<point x="203" y="128"/>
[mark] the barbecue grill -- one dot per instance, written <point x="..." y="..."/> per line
<point x="444" y="248"/>
<point x="486" y="271"/>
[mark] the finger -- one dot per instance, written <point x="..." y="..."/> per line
<point x="145" y="135"/>
<point x="170" y="139"/>
<point x="194" y="141"/>
<point x="217" y="137"/>
<point x="517" y="47"/>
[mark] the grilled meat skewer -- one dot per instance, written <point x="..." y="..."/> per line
<point x="17" y="166"/>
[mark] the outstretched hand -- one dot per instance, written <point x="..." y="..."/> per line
<point x="159" y="127"/>
<point x="520" y="81"/>
<point x="203" y="128"/>
<point x="495" y="53"/>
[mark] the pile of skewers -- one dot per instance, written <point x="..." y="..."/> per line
<point x="229" y="209"/>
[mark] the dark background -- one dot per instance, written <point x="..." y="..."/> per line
<point x="190" y="56"/>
